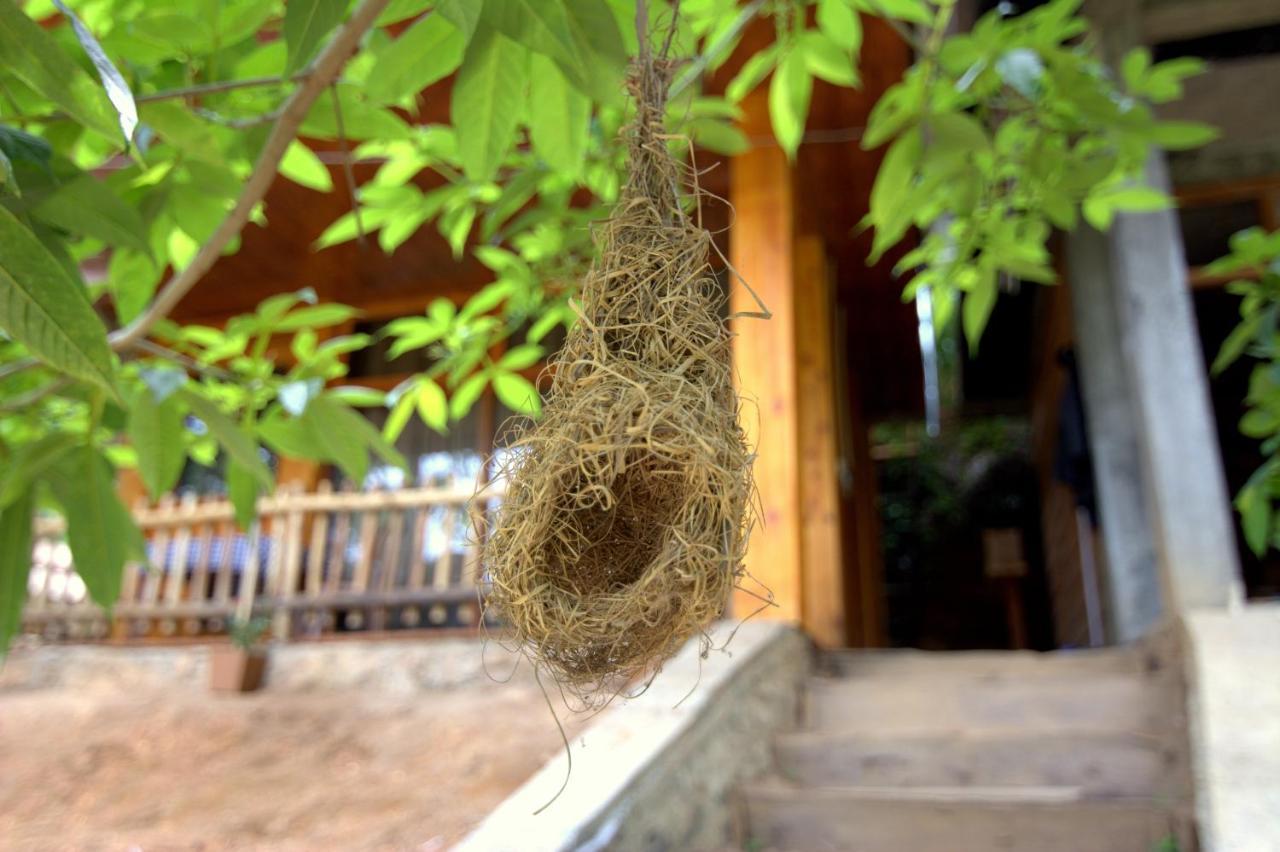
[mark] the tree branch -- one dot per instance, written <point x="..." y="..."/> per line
<point x="686" y="78"/>
<point x="321" y="73"/>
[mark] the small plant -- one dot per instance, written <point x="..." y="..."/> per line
<point x="247" y="635"/>
<point x="1255" y="258"/>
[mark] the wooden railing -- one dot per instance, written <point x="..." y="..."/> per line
<point x="315" y="563"/>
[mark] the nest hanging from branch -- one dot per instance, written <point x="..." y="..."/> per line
<point x="627" y="508"/>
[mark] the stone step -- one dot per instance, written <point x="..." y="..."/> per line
<point x="1000" y="665"/>
<point x="1097" y="764"/>
<point x="921" y="704"/>
<point x="778" y="816"/>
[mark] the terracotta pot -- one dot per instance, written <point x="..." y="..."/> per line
<point x="234" y="669"/>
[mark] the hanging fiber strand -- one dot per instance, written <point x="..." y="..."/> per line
<point x="627" y="506"/>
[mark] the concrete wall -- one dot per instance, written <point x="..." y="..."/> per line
<point x="1233" y="668"/>
<point x="388" y="666"/>
<point x="657" y="772"/>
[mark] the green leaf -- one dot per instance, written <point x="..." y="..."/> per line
<point x="156" y="431"/>
<point x="243" y="490"/>
<point x="487" y="100"/>
<point x="581" y="38"/>
<point x="977" y="307"/>
<point x="87" y="207"/>
<point x="1183" y="135"/>
<point x="913" y="11"/>
<point x="428" y="51"/>
<point x="306" y="23"/>
<point x="433" y="407"/>
<point x="316" y="316"/>
<point x="401" y="410"/>
<point x="1236" y="343"/>
<point x="1255" y="513"/>
<point x="463" y="14"/>
<point x="957" y="133"/>
<point x="827" y="60"/>
<point x="331" y="412"/>
<point x="718" y="136"/>
<point x="1101" y="206"/>
<point x="841" y="24"/>
<point x="890" y="213"/>
<point x="521" y="357"/>
<point x="517" y="393"/>
<point x="101" y="532"/>
<point x="559" y="117"/>
<point x="31" y="55"/>
<point x="15" y="563"/>
<point x="240" y="447"/>
<point x="789" y="93"/>
<point x="113" y="82"/>
<point x="752" y="73"/>
<point x="48" y="312"/>
<point x="301" y="165"/>
<point x="28" y="462"/>
<point x="466" y="395"/>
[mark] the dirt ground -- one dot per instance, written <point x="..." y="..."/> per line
<point x="183" y="769"/>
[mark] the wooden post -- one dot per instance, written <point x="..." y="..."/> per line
<point x="822" y="557"/>
<point x="761" y="249"/>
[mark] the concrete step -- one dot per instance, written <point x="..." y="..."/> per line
<point x="954" y="706"/>
<point x="1115" y="764"/>
<point x="778" y="816"/>
<point x="1005" y="665"/>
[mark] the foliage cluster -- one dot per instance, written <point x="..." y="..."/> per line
<point x="134" y="137"/>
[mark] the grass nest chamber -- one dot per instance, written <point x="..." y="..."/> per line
<point x="627" y="506"/>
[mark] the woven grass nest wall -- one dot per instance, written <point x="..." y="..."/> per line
<point x="628" y="502"/>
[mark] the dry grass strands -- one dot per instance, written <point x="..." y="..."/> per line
<point x="627" y="507"/>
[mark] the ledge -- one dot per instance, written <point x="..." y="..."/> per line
<point x="656" y="772"/>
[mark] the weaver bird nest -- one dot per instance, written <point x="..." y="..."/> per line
<point x="627" y="505"/>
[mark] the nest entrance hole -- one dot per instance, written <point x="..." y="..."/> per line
<point x="606" y="548"/>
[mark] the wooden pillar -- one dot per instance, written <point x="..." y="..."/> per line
<point x="761" y="249"/>
<point x="821" y="558"/>
<point x="785" y="373"/>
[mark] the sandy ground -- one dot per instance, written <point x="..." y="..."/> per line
<point x="183" y="769"/>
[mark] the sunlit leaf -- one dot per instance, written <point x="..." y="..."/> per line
<point x="487" y="100"/>
<point x="517" y="393"/>
<point x="789" y="93"/>
<point x="156" y="431"/>
<point x="15" y="564"/>
<point x="428" y="51"/>
<point x="306" y="23"/>
<point x="46" y="311"/>
<point x="301" y="165"/>
<point x="113" y="82"/>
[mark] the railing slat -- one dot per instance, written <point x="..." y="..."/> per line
<point x="442" y="575"/>
<point x="417" y="560"/>
<point x="176" y="579"/>
<point x="199" y="588"/>
<point x="315" y="552"/>
<point x="159" y="558"/>
<point x="368" y="535"/>
<point x="249" y="577"/>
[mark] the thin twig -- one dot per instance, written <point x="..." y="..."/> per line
<point x="347" y="174"/>
<point x="195" y="90"/>
<point x="322" y="72"/>
<point x="150" y="347"/>
<point x="912" y="39"/>
<point x="694" y="71"/>
<point x="237" y="123"/>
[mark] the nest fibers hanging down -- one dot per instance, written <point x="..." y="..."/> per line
<point x="628" y="503"/>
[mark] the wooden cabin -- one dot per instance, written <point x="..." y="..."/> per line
<point x="1119" y="453"/>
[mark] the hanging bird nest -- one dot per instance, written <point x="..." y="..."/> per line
<point x="627" y="506"/>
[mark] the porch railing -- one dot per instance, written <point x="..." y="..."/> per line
<point x="319" y="562"/>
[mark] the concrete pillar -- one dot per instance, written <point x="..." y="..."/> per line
<point x="1161" y="488"/>
<point x="1131" y="584"/>
<point x="1144" y="378"/>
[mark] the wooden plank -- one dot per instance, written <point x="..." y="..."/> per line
<point x="761" y="185"/>
<point x="442" y="575"/>
<point x="159" y="556"/>
<point x="471" y="554"/>
<point x="389" y="565"/>
<point x="131" y="580"/>
<point x="417" y="562"/>
<point x="290" y="569"/>
<point x="176" y="579"/>
<point x="249" y="577"/>
<point x="226" y="532"/>
<point x="822" y="580"/>
<point x="338" y="554"/>
<point x="368" y="539"/>
<point x="315" y="552"/>
<point x="199" y="588"/>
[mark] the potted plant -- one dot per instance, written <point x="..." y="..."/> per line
<point x="238" y="667"/>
